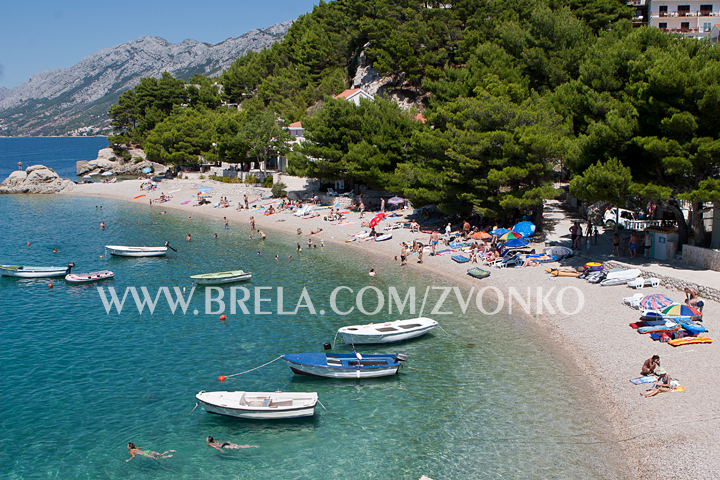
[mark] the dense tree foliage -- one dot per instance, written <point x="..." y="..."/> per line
<point x="512" y="91"/>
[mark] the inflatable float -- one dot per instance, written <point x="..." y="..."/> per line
<point x="689" y="341"/>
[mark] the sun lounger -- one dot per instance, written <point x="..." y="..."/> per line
<point x="634" y="301"/>
<point x="506" y="261"/>
<point x="641" y="282"/>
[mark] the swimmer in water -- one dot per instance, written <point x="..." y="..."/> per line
<point x="133" y="450"/>
<point x="226" y="445"/>
<point x="55" y="250"/>
<point x="102" y="225"/>
<point x="216" y="236"/>
<point x="188" y="237"/>
<point x="372" y="272"/>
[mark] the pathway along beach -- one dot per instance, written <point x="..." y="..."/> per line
<point x="672" y="435"/>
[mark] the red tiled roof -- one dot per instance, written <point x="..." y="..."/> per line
<point x="295" y="125"/>
<point x="348" y="93"/>
<point x="419" y="118"/>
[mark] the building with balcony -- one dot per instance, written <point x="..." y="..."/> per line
<point x="692" y="19"/>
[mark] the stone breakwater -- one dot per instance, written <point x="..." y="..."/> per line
<point x="670" y="282"/>
<point x="35" y="179"/>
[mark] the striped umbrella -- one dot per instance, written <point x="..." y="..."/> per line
<point x="510" y="236"/>
<point x="656" y="301"/>
<point x="678" y="309"/>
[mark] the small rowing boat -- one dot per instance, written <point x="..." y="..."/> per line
<point x="123" y="251"/>
<point x="219" y="278"/>
<point x="387" y="332"/>
<point x="34" y="272"/>
<point x="259" y="405"/>
<point x="344" y="365"/>
<point x="89" y="277"/>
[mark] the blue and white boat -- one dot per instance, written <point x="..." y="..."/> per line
<point x="344" y="365"/>
<point x="387" y="332"/>
<point x="34" y="272"/>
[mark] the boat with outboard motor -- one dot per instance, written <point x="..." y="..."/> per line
<point x="20" y="271"/>
<point x="125" y="251"/>
<point x="345" y="365"/>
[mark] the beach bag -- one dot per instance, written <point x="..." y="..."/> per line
<point x="593" y="266"/>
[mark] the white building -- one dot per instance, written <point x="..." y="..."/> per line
<point x="354" y="95"/>
<point x="692" y="19"/>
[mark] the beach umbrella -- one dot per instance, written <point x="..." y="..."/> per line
<point x="376" y="219"/>
<point x="656" y="301"/>
<point x="396" y="201"/>
<point x="105" y="174"/>
<point x="678" y="309"/>
<point x="524" y="228"/>
<point x="204" y="194"/>
<point x="499" y="231"/>
<point x="510" y="236"/>
<point x="204" y="189"/>
<point x="517" y="243"/>
<point x="93" y="173"/>
<point x="147" y="170"/>
<point x="87" y="176"/>
<point x="480" y="235"/>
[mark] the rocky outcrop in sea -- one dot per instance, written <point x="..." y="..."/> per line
<point x="35" y="179"/>
<point x="124" y="162"/>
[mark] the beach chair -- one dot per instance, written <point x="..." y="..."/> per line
<point x="331" y="192"/>
<point x="634" y="301"/>
<point x="641" y="282"/>
<point x="504" y="262"/>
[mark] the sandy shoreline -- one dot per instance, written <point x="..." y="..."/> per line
<point x="675" y="430"/>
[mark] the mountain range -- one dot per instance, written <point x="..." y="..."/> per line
<point x="75" y="100"/>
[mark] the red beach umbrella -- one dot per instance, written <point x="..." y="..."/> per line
<point x="376" y="219"/>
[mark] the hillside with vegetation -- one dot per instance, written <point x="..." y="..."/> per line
<point x="514" y="93"/>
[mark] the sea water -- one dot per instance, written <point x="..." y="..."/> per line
<point x="485" y="398"/>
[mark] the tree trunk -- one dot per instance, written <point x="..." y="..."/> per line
<point x="698" y="224"/>
<point x="537" y="216"/>
<point x="682" y="225"/>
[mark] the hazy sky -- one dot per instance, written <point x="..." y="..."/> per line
<point x="39" y="35"/>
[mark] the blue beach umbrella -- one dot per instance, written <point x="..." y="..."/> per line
<point x="499" y="231"/>
<point x="204" y="189"/>
<point x="524" y="228"/>
<point x="517" y="243"/>
<point x="147" y="170"/>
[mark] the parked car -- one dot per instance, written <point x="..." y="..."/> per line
<point x="626" y="216"/>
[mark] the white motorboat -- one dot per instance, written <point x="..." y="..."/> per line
<point x="259" y="405"/>
<point x="387" y="332"/>
<point x="122" y="251"/>
<point x="34" y="272"/>
<point x="219" y="278"/>
<point x="89" y="277"/>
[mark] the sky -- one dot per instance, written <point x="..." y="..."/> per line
<point x="39" y="35"/>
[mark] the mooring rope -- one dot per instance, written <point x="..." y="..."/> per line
<point x="441" y="328"/>
<point x="248" y="371"/>
<point x="324" y="407"/>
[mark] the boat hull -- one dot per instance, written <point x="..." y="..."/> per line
<point x="89" y="277"/>
<point x="395" y="331"/>
<point x="221" y="278"/>
<point x="32" y="272"/>
<point x="343" y="366"/>
<point x="120" y="251"/>
<point x="281" y="405"/>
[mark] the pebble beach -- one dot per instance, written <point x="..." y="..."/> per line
<point x="672" y="435"/>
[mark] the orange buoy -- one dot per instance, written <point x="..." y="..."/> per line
<point x="28" y="244"/>
<point x="223" y="317"/>
<point x="221" y="378"/>
<point x="49" y="285"/>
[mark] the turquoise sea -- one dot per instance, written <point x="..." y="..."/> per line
<point x="488" y="399"/>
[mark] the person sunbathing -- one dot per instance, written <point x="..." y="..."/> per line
<point x="661" y="386"/>
<point x="314" y="232"/>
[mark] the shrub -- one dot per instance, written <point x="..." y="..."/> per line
<point x="251" y="178"/>
<point x="279" y="190"/>
<point x="126" y="155"/>
<point x="137" y="159"/>
<point x="268" y="182"/>
<point x="202" y="177"/>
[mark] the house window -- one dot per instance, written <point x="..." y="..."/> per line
<point x="663" y="10"/>
<point x="683" y="10"/>
<point x="662" y="26"/>
<point x="705" y="10"/>
<point x="684" y="26"/>
<point x="707" y="27"/>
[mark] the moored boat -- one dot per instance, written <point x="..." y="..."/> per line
<point x="124" y="251"/>
<point x="34" y="272"/>
<point x="387" y="332"/>
<point x="89" y="277"/>
<point x="259" y="405"/>
<point x="219" y="278"/>
<point x="344" y="365"/>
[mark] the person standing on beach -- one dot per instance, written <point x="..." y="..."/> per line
<point x="403" y="255"/>
<point x="420" y="252"/>
<point x="247" y="204"/>
<point x="573" y="235"/>
<point x="19" y="165"/>
<point x="382" y="205"/>
<point x="362" y="209"/>
<point x="466" y="229"/>
<point x="448" y="231"/>
<point x="616" y="245"/>
<point x="252" y="223"/>
<point x="434" y="241"/>
<point x="648" y="243"/>
<point x="634" y="242"/>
